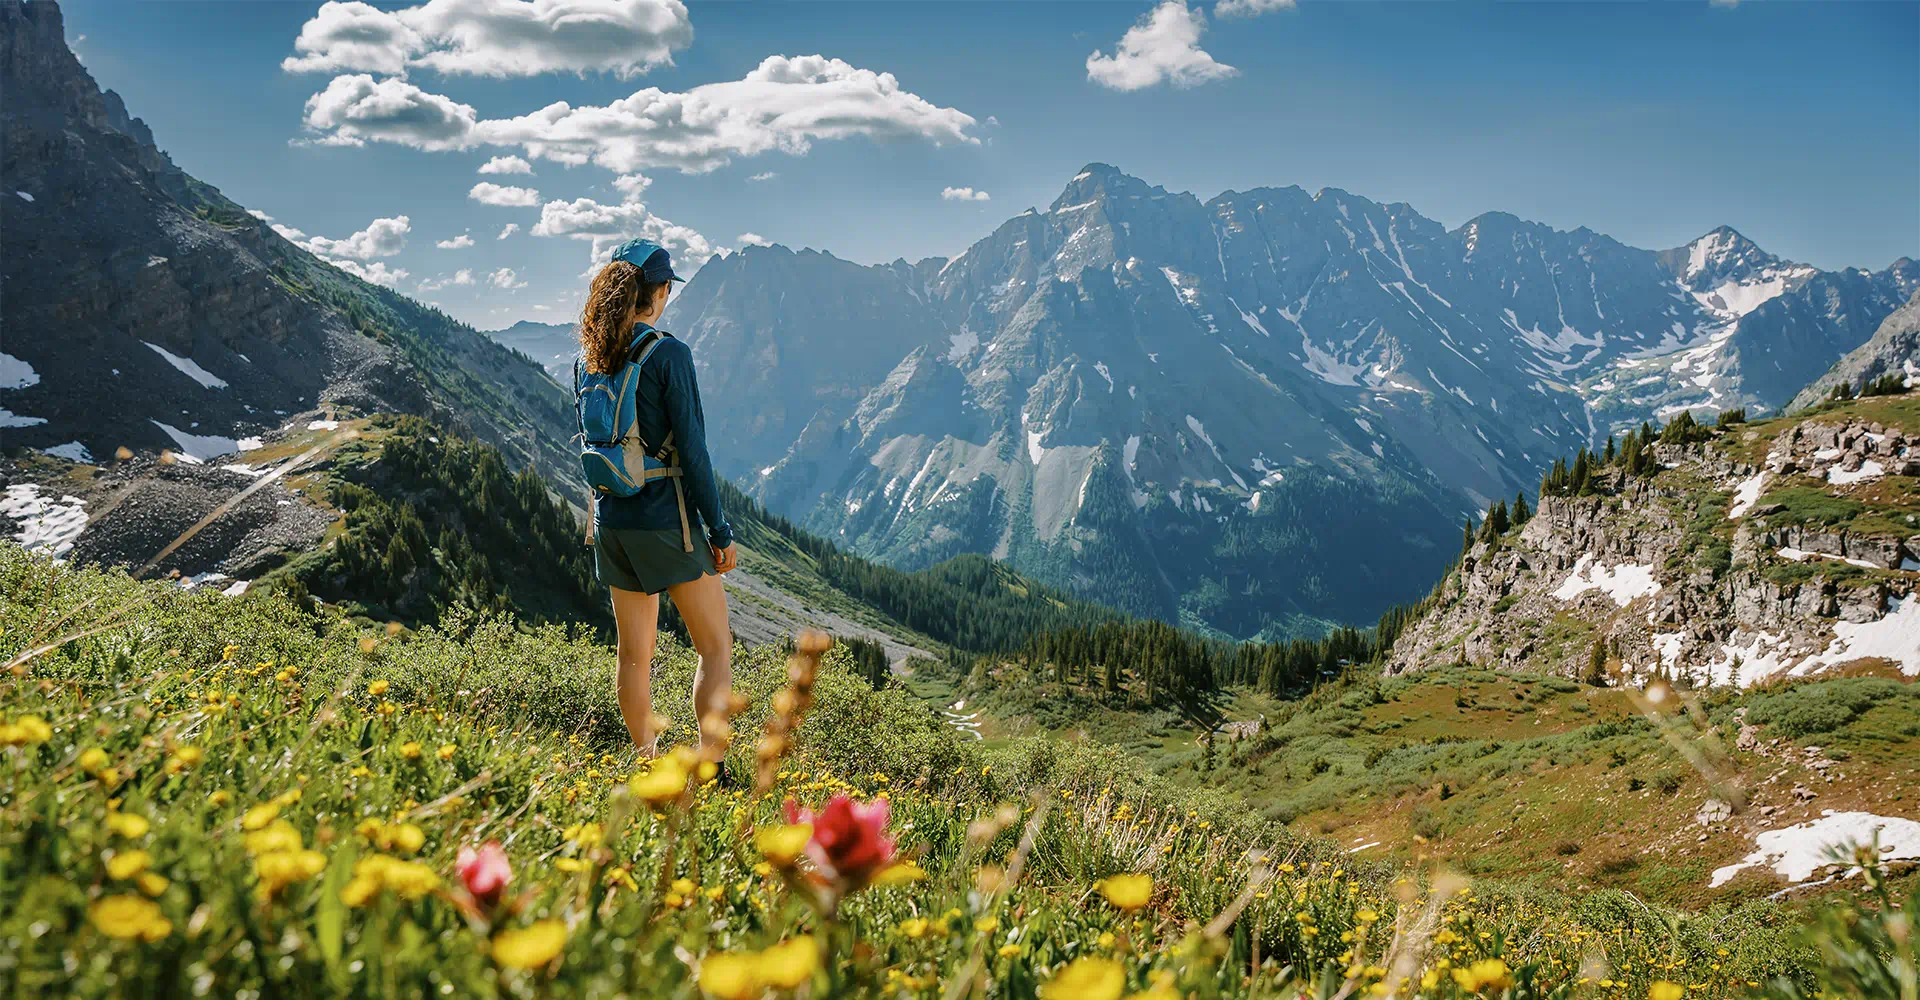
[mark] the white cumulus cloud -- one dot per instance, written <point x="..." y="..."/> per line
<point x="355" y="109"/>
<point x="262" y="216"/>
<point x="765" y="175"/>
<point x="464" y="276"/>
<point x="459" y="242"/>
<point x="381" y="238"/>
<point x="752" y="240"/>
<point x="785" y="104"/>
<point x="377" y="272"/>
<point x="506" y="278"/>
<point x="964" y="194"/>
<point x="604" y="225"/>
<point x="512" y="227"/>
<point x="1163" y="46"/>
<point x="499" y="38"/>
<point x="505" y="165"/>
<point x="489" y="193"/>
<point x="1249" y="8"/>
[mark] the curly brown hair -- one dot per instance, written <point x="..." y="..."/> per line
<point x="604" y="332"/>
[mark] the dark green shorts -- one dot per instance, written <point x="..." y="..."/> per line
<point x="647" y="561"/>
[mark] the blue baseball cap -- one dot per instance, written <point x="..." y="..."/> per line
<point x="655" y="264"/>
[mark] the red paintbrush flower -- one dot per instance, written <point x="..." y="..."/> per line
<point x="485" y="872"/>
<point x="850" y="844"/>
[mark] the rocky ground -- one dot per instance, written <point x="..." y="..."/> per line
<point x="135" y="509"/>
<point x="1786" y="547"/>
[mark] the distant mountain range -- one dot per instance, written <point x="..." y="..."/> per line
<point x="1247" y="413"/>
<point x="551" y="345"/>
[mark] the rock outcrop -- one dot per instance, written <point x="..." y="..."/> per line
<point x="1787" y="547"/>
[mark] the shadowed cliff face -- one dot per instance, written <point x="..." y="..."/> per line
<point x="1894" y="349"/>
<point x="143" y="309"/>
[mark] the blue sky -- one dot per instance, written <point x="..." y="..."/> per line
<point x="1798" y="124"/>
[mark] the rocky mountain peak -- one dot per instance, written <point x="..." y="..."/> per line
<point x="1720" y="255"/>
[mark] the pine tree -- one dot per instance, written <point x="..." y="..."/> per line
<point x="1521" y="513"/>
<point x="1597" y="664"/>
<point x="1608" y="457"/>
<point x="1497" y="518"/>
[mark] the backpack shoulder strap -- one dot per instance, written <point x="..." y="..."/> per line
<point x="643" y="348"/>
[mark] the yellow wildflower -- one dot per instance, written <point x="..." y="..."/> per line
<point x="92" y="760"/>
<point x="447" y="751"/>
<point x="151" y="883"/>
<point x="791" y="963"/>
<point x="128" y="825"/>
<point x="1127" y="892"/>
<point x="1087" y="979"/>
<point x="129" y="916"/>
<point x="220" y="797"/>
<point x="782" y="844"/>
<point x="1664" y="990"/>
<point x="127" y="864"/>
<point x="729" y="976"/>
<point x="530" y="947"/>
<point x="378" y="688"/>
<point x="1486" y="974"/>
<point x="915" y="927"/>
<point x="260" y="815"/>
<point x="666" y="780"/>
<point x="410" y="750"/>
<point x="900" y="873"/>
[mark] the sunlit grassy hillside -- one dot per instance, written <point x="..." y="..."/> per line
<point x="215" y="796"/>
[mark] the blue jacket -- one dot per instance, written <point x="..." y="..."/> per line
<point x="668" y="399"/>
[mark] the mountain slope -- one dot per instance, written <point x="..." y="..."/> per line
<point x="551" y="345"/>
<point x="1894" y="349"/>
<point x="1257" y="412"/>
<point x="1787" y="547"/>
<point x="145" y="310"/>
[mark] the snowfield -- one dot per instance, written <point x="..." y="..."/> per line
<point x="46" y="525"/>
<point x="15" y="373"/>
<point x="1622" y="583"/>
<point x="187" y="367"/>
<point x="1797" y="851"/>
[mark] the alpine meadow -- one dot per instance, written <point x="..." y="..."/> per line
<point x="1271" y="592"/>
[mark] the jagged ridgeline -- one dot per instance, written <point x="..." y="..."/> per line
<point x="128" y="279"/>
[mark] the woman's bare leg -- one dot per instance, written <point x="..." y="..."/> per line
<point x="637" y="616"/>
<point x="703" y="606"/>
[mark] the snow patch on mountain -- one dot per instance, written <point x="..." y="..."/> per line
<point x="1200" y="430"/>
<point x="1798" y="851"/>
<point x="1621" y="583"/>
<point x="1894" y="636"/>
<point x="15" y="373"/>
<point x="72" y="451"/>
<point x="8" y="418"/>
<point x="45" y="525"/>
<point x="188" y="368"/>
<point x="200" y="447"/>
<point x="1128" y="455"/>
<point x="962" y="345"/>
<point x="1868" y="469"/>
<point x="1747" y="495"/>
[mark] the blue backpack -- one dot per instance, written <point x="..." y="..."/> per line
<point x="613" y="459"/>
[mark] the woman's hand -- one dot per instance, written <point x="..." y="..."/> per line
<point x="724" y="560"/>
